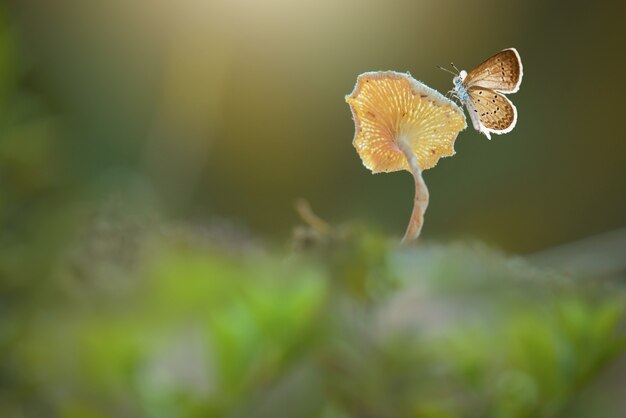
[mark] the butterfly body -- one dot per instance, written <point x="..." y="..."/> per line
<point x="459" y="88"/>
<point x="482" y="92"/>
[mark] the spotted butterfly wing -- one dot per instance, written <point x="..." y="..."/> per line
<point x="501" y="72"/>
<point x="490" y="111"/>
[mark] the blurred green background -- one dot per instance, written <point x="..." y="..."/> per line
<point x="150" y="155"/>
<point x="236" y="108"/>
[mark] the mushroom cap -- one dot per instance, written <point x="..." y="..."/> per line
<point x="388" y="107"/>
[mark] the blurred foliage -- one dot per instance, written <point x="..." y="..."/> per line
<point x="153" y="319"/>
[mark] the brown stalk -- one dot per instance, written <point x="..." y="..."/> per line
<point x="420" y="203"/>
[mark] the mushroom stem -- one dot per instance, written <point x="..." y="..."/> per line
<point x="421" y="194"/>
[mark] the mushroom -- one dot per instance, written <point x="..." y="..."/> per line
<point x="402" y="124"/>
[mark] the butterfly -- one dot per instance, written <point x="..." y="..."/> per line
<point x="482" y="92"/>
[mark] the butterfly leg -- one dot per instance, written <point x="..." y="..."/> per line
<point x="453" y="95"/>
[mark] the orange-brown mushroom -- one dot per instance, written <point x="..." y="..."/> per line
<point x="402" y="124"/>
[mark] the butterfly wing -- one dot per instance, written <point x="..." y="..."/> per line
<point x="501" y="72"/>
<point x="490" y="111"/>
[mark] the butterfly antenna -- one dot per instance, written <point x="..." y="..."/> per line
<point x="454" y="66"/>
<point x="446" y="70"/>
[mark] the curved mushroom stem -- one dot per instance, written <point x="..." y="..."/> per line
<point x="421" y="195"/>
